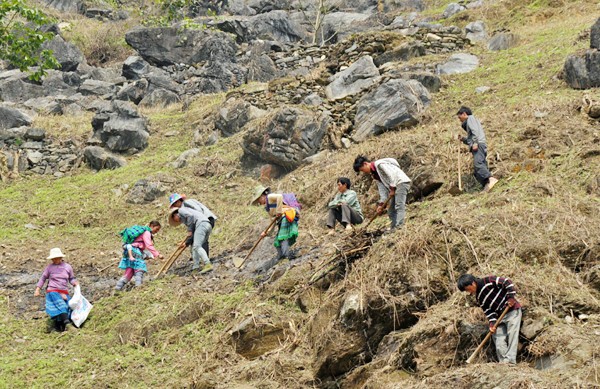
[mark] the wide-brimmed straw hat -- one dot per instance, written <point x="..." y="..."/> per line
<point x="259" y="191"/>
<point x="172" y="221"/>
<point x="55" y="253"/>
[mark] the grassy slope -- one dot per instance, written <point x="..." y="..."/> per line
<point x="132" y="339"/>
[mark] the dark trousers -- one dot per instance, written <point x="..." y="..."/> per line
<point x="343" y="214"/>
<point x="481" y="171"/>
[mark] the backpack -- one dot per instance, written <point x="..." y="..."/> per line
<point x="130" y="234"/>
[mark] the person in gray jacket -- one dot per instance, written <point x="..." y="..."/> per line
<point x="344" y="207"/>
<point x="391" y="182"/>
<point x="177" y="201"/>
<point x="199" y="229"/>
<point x="477" y="143"/>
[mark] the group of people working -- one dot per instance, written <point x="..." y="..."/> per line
<point x="495" y="295"/>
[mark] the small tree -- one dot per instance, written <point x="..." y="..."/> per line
<point x="21" y="40"/>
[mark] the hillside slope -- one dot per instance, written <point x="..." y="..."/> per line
<point x="411" y="327"/>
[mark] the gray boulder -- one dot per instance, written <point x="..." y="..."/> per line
<point x="11" y="117"/>
<point x="452" y="9"/>
<point x="135" y="67"/>
<point x="595" y="35"/>
<point x="475" y="31"/>
<point x="503" y="41"/>
<point x="60" y="83"/>
<point x="361" y="75"/>
<point x="185" y="157"/>
<point x="121" y="129"/>
<point x="159" y="98"/>
<point x="288" y="136"/>
<point x="338" y="25"/>
<point x="146" y="191"/>
<point x="15" y="86"/>
<point x="35" y="134"/>
<point x="260" y="67"/>
<point x="217" y="76"/>
<point x="163" y="46"/>
<point x="394" y="104"/>
<point x="277" y="26"/>
<point x="429" y="80"/>
<point x="73" y="6"/>
<point x="47" y="105"/>
<point x="313" y="99"/>
<point x="159" y="79"/>
<point x="97" y="158"/>
<point x="235" y="114"/>
<point x="67" y="54"/>
<point x="459" y="63"/>
<point x="134" y="91"/>
<point x="583" y="72"/>
<point x="97" y="88"/>
<point x="401" y="53"/>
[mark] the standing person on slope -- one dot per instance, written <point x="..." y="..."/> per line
<point x="391" y="182"/>
<point x="477" y="143"/>
<point x="59" y="275"/>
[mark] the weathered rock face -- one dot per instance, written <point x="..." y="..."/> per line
<point x="12" y="117"/>
<point x="162" y="46"/>
<point x="15" y="87"/>
<point x="394" y="104"/>
<point x="135" y="67"/>
<point x="121" y="129"/>
<point x="595" y="35"/>
<point x="289" y="136"/>
<point x="159" y="98"/>
<point x="235" y="114"/>
<point x="475" y="31"/>
<point x="185" y="157"/>
<point x="133" y="92"/>
<point x="583" y="72"/>
<point x="452" y="9"/>
<point x="97" y="158"/>
<point x="73" y="6"/>
<point x="402" y="53"/>
<point x="218" y="76"/>
<point x="459" y="63"/>
<point x="338" y="25"/>
<point x="145" y="191"/>
<point x="277" y="26"/>
<point x="67" y="54"/>
<point x="503" y="41"/>
<point x="361" y="75"/>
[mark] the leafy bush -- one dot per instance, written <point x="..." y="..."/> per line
<point x="20" y="44"/>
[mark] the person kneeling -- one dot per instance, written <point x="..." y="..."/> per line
<point x="344" y="208"/>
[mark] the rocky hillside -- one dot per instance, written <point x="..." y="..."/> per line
<point x="212" y="98"/>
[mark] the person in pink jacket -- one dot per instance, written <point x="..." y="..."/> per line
<point x="137" y="266"/>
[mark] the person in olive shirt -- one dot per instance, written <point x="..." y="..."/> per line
<point x="344" y="207"/>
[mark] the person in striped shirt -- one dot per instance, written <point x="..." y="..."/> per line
<point x="493" y="295"/>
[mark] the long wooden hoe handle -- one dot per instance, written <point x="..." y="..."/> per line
<point x="169" y="262"/>
<point x="377" y="214"/>
<point x="258" y="241"/>
<point x="459" y="175"/>
<point x="488" y="336"/>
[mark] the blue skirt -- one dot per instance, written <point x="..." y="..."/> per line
<point x="55" y="305"/>
<point x="137" y="264"/>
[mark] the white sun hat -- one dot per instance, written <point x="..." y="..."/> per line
<point x="55" y="253"/>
